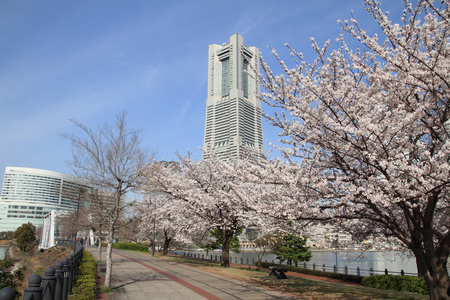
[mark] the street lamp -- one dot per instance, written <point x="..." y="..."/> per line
<point x="153" y="242"/>
<point x="154" y="227"/>
<point x="76" y="224"/>
<point x="335" y="249"/>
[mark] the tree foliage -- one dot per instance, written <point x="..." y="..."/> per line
<point x="367" y="133"/>
<point x="8" y="277"/>
<point x="212" y="190"/>
<point x="167" y="219"/>
<point x="291" y="248"/>
<point x="25" y="236"/>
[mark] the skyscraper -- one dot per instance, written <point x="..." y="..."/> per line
<point x="233" y="108"/>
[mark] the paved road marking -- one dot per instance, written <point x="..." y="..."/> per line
<point x="192" y="287"/>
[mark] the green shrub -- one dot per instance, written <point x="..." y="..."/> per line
<point x="9" y="276"/>
<point x="343" y="277"/>
<point x="379" y="282"/>
<point x="88" y="267"/>
<point x="414" y="284"/>
<point x="130" y="246"/>
<point x="85" y="288"/>
<point x="404" y="283"/>
<point x="85" y="283"/>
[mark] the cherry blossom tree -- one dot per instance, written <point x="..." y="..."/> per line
<point x="169" y="219"/>
<point x="210" y="188"/>
<point x="369" y="131"/>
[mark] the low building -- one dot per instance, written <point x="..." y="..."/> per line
<point x="30" y="194"/>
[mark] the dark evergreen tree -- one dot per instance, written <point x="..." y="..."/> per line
<point x="25" y="236"/>
<point x="291" y="248"/>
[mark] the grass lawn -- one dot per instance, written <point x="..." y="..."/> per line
<point x="304" y="288"/>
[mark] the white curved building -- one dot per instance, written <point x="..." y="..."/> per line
<point x="29" y="194"/>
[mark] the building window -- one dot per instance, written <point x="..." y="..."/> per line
<point x="225" y="77"/>
<point x="245" y="78"/>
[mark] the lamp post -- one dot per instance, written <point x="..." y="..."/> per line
<point x="153" y="242"/>
<point x="335" y="249"/>
<point x="76" y="224"/>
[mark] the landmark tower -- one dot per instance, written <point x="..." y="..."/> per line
<point x="233" y="107"/>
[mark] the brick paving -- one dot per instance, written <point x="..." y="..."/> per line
<point x="140" y="276"/>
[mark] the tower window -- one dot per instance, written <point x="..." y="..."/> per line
<point x="225" y="77"/>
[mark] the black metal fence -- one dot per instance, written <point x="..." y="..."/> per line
<point x="56" y="284"/>
<point x="320" y="267"/>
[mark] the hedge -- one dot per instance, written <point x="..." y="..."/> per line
<point x="85" y="284"/>
<point x="130" y="246"/>
<point x="403" y="283"/>
<point x="343" y="277"/>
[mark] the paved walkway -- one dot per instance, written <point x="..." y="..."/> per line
<point x="137" y="276"/>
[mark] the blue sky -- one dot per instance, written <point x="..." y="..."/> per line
<point x="90" y="60"/>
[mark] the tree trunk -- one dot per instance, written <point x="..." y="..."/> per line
<point x="99" y="249"/>
<point x="108" y="274"/>
<point x="166" y="246"/>
<point x="227" y="235"/>
<point x="435" y="273"/>
<point x="260" y="257"/>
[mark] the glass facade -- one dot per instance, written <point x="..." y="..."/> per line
<point x="226" y="77"/>
<point x="29" y="194"/>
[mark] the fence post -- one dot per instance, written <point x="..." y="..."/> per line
<point x="7" y="294"/>
<point x="71" y="272"/>
<point x="334" y="269"/>
<point x="34" y="290"/>
<point x="77" y="259"/>
<point x="371" y="272"/>
<point x="346" y="270"/>
<point x="49" y="284"/>
<point x="314" y="266"/>
<point x="358" y="271"/>
<point x="66" y="269"/>
<point x="324" y="268"/>
<point x="59" y="273"/>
